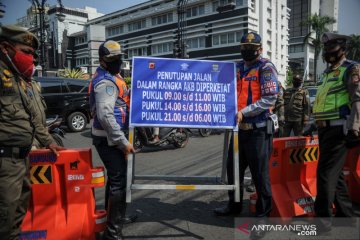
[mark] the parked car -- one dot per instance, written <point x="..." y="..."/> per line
<point x="68" y="98"/>
<point x="312" y="94"/>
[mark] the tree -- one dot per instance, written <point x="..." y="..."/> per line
<point x="73" y="73"/>
<point x="353" y="48"/>
<point x="318" y="26"/>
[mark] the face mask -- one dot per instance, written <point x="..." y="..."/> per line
<point x="296" y="84"/>
<point x="333" y="57"/>
<point x="24" y="64"/>
<point x="113" y="67"/>
<point x="249" y="55"/>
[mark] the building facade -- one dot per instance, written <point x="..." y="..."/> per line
<point x="302" y="56"/>
<point x="149" y="29"/>
<point x="57" y="31"/>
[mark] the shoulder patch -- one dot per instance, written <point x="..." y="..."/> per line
<point x="355" y="73"/>
<point x="110" y="90"/>
<point x="7" y="73"/>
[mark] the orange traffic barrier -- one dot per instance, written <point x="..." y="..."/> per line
<point x="352" y="171"/>
<point x="293" y="166"/>
<point x="62" y="205"/>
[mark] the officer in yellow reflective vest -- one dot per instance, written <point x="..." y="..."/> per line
<point x="337" y="114"/>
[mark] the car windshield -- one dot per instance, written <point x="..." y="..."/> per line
<point x="312" y="92"/>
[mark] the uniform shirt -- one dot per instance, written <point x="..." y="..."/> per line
<point x="106" y="94"/>
<point x="19" y="120"/>
<point x="297" y="104"/>
<point x="352" y="82"/>
<point x="268" y="74"/>
<point x="279" y="105"/>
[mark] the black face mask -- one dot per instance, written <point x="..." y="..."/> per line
<point x="333" y="57"/>
<point x="296" y="84"/>
<point x="249" y="55"/>
<point x="114" y="67"/>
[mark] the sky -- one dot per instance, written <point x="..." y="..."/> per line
<point x="17" y="8"/>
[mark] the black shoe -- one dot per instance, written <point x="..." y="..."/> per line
<point x="227" y="210"/>
<point x="130" y="218"/>
<point x="250" y="188"/>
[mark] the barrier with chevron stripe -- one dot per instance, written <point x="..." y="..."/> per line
<point x="41" y="174"/>
<point x="301" y="155"/>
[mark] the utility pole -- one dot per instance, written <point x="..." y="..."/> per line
<point x="40" y="10"/>
<point x="180" y="47"/>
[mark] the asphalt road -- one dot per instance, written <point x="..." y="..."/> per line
<point x="172" y="214"/>
<point x="175" y="214"/>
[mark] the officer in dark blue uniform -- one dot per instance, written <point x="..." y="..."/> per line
<point x="257" y="89"/>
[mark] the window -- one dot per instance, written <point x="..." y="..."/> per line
<point x="80" y="40"/>
<point x="195" y="11"/>
<point x="216" y="4"/>
<point x="296" y="48"/>
<point x="82" y="61"/>
<point x="77" y="86"/>
<point x="196" y="42"/>
<point x="115" y="30"/>
<point x="163" y="48"/>
<point x="165" y="18"/>
<point x="137" y="52"/>
<point x="51" y="87"/>
<point x="137" y="25"/>
<point x="227" y="38"/>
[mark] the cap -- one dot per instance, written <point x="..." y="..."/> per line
<point x="297" y="78"/>
<point x="18" y="34"/>
<point x="109" y="49"/>
<point x="330" y="37"/>
<point x="251" y="38"/>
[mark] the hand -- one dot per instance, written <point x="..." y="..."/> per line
<point x="128" y="149"/>
<point x="55" y="148"/>
<point x="239" y="117"/>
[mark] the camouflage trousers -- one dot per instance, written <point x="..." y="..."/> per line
<point x="297" y="127"/>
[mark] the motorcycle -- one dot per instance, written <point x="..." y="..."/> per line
<point x="205" y="132"/>
<point x="53" y="125"/>
<point x="178" y="137"/>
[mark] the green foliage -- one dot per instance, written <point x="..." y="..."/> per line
<point x="353" y="48"/>
<point x="318" y="26"/>
<point x="289" y="77"/>
<point x="73" y="73"/>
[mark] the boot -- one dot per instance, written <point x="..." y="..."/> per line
<point x="127" y="218"/>
<point x="116" y="213"/>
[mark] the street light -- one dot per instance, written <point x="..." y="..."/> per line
<point x="40" y="10"/>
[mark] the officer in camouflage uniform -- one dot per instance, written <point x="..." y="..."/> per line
<point x="297" y="108"/>
<point x="40" y="106"/>
<point x="337" y="114"/>
<point x="19" y="123"/>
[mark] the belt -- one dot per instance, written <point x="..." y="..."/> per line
<point x="14" y="152"/>
<point x="251" y="126"/>
<point x="330" y="123"/>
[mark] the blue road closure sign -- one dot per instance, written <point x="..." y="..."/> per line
<point x="183" y="93"/>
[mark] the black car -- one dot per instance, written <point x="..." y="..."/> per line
<point x="68" y="98"/>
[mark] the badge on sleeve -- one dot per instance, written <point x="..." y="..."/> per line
<point x="110" y="90"/>
<point x="355" y="74"/>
